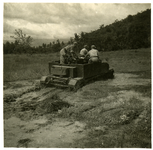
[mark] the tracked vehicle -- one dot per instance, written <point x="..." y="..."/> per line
<point x="74" y="76"/>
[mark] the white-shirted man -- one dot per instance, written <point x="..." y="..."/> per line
<point x="93" y="55"/>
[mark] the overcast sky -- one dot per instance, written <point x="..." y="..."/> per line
<point x="62" y="20"/>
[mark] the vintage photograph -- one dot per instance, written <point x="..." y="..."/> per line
<point x="76" y="75"/>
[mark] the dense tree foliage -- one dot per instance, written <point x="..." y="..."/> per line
<point x="16" y="48"/>
<point x="129" y="33"/>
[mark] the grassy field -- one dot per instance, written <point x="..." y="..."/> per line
<point x="23" y="67"/>
<point x="116" y="112"/>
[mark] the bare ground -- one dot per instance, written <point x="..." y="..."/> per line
<point x="102" y="114"/>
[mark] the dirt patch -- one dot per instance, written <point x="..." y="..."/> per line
<point x="32" y="108"/>
<point x="58" y="133"/>
<point x="14" y="90"/>
<point x="102" y="114"/>
<point x="23" y="143"/>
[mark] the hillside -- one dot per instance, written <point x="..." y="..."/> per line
<point x="130" y="33"/>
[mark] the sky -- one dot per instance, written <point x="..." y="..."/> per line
<point x="62" y="20"/>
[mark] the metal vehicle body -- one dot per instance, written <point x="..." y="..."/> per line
<point x="75" y="76"/>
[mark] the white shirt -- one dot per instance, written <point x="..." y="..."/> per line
<point x="83" y="52"/>
<point x="93" y="53"/>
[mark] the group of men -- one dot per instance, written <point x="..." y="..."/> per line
<point x="68" y="55"/>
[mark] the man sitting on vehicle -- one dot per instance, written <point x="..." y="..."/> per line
<point x="68" y="55"/>
<point x="93" y="55"/>
<point x="84" y="51"/>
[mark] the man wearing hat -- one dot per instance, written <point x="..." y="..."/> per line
<point x="67" y="54"/>
<point x="93" y="55"/>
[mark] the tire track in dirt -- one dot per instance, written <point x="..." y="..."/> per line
<point x="90" y="102"/>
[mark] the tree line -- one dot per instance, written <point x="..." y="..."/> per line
<point x="130" y="33"/>
<point x="23" y="44"/>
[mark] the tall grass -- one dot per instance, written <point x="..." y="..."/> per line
<point x="129" y="60"/>
<point x="23" y="67"/>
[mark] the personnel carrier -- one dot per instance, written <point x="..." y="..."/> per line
<point x="75" y="75"/>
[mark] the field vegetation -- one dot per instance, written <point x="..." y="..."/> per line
<point x="112" y="113"/>
<point x="23" y="67"/>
